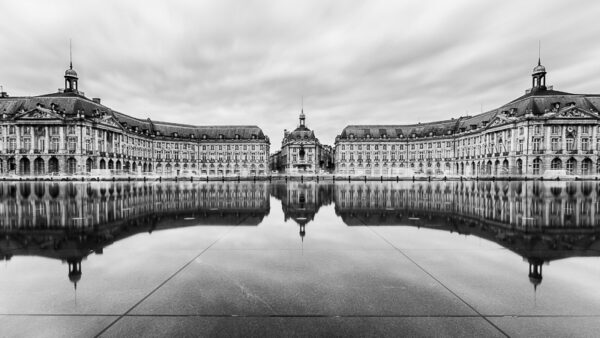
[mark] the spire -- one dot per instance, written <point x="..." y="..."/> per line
<point x="539" y="52"/>
<point x="302" y="117"/>
<point x="70" y="74"/>
<point x="70" y="55"/>
<point x="538" y="81"/>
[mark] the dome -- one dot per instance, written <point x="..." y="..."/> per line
<point x="539" y="69"/>
<point x="70" y="73"/>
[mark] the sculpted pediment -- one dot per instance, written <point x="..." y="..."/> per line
<point x="575" y="112"/>
<point x="38" y="113"/>
<point x="110" y="121"/>
<point x="500" y="119"/>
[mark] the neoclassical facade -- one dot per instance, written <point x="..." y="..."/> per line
<point x="301" y="152"/>
<point x="543" y="129"/>
<point x="68" y="133"/>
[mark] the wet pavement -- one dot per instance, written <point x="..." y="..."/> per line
<point x="300" y="259"/>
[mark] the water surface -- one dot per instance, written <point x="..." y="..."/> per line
<point x="456" y="258"/>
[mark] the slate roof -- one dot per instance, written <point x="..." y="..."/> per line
<point x="537" y="103"/>
<point x="71" y="103"/>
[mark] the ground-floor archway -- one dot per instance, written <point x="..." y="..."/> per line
<point x="571" y="165"/>
<point x="71" y="166"/>
<point x="53" y="165"/>
<point x="89" y="164"/>
<point x="38" y="166"/>
<point x="586" y="166"/>
<point x="556" y="164"/>
<point x="24" y="166"/>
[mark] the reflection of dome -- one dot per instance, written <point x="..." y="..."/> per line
<point x="535" y="272"/>
<point x="70" y="73"/>
<point x="75" y="277"/>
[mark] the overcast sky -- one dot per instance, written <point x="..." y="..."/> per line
<point x="250" y="62"/>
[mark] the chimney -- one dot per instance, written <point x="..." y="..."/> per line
<point x="96" y="100"/>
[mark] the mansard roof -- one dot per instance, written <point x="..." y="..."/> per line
<point x="398" y="131"/>
<point x="536" y="103"/>
<point x="70" y="104"/>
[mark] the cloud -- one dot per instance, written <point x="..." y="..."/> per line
<point x="355" y="62"/>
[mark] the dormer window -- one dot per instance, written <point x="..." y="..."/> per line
<point x="204" y="136"/>
<point x="351" y="136"/>
<point x="254" y="136"/>
<point x="237" y="136"/>
<point x="174" y="134"/>
<point x="220" y="136"/>
<point x="191" y="135"/>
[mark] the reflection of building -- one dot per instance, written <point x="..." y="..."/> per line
<point x="301" y="152"/>
<point x="66" y="132"/>
<point x="302" y="201"/>
<point x="539" y="221"/>
<point x="543" y="129"/>
<point x="69" y="221"/>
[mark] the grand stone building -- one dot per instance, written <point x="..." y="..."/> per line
<point x="68" y="133"/>
<point x="543" y="129"/>
<point x="301" y="152"/>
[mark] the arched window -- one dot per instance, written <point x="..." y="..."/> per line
<point x="556" y="164"/>
<point x="537" y="163"/>
<point x="571" y="165"/>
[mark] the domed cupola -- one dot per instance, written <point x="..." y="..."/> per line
<point x="71" y="78"/>
<point x="538" y="81"/>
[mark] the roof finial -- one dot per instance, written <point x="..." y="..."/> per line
<point x="539" y="52"/>
<point x="70" y="55"/>
<point x="302" y="104"/>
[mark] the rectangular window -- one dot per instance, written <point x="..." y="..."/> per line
<point x="585" y="145"/>
<point x="555" y="143"/>
<point x="570" y="143"/>
<point x="72" y="143"/>
<point x="27" y="144"/>
<point x="536" y="144"/>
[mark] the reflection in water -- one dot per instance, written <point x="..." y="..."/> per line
<point x="69" y="221"/>
<point x="540" y="221"/>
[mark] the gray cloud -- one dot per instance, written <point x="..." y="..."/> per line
<point x="250" y="62"/>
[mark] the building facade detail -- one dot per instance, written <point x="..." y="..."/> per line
<point x="301" y="152"/>
<point x="68" y="133"/>
<point x="541" y="130"/>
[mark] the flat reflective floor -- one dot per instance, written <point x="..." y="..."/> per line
<point x="300" y="259"/>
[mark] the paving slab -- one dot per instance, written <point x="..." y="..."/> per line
<point x="277" y="282"/>
<point x="52" y="326"/>
<point x="301" y="327"/>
